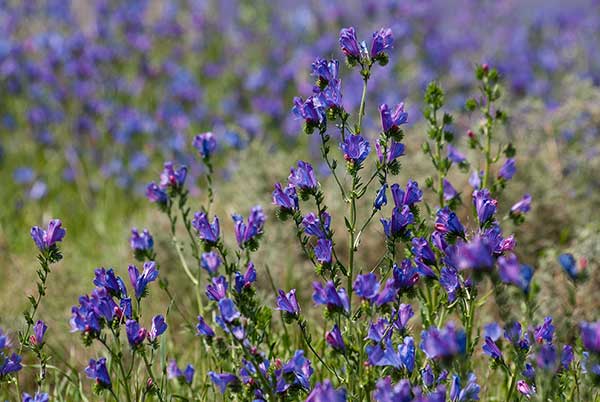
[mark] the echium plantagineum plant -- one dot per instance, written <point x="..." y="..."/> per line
<point x="406" y="329"/>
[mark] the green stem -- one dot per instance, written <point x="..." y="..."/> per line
<point x="363" y="99"/>
<point x="306" y="339"/>
<point x="151" y="374"/>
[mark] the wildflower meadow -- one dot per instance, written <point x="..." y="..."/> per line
<point x="300" y="201"/>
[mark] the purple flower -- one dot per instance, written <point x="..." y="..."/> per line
<point x="569" y="265"/>
<point x="286" y="199"/>
<point x="156" y="194"/>
<point x="566" y="357"/>
<point x="443" y="343"/>
<point x="39" y="330"/>
<point x="449" y="191"/>
<point x="206" y="231"/>
<point x="422" y="251"/>
<point x="546" y="357"/>
<point x="490" y="348"/>
<point x="544" y="332"/>
<point x="349" y="43"/>
<point x="475" y="255"/>
<point x="246" y="280"/>
<point x="391" y="120"/>
<point x="512" y="333"/>
<point x="139" y="282"/>
<point x="217" y="289"/>
<point x="450" y="283"/>
<point x="44" y="239"/>
<point x="469" y="393"/>
<point x="412" y="195"/>
<point x="303" y="177"/>
<point x="10" y="364"/>
<point x="325" y="70"/>
<point x="366" y="286"/>
<point x="522" y="206"/>
<point x="38" y="397"/>
<point x="288" y="303"/>
<point x="298" y="368"/>
<point x="379" y="330"/>
<point x="508" y="170"/>
<point x="325" y="392"/>
<point x="331" y="297"/>
<point x="96" y="370"/>
<point x="475" y="179"/>
<point x="382" y="40"/>
<point x="159" y="326"/>
<point x="403" y="357"/>
<point x="203" y="328"/>
<point x="590" y="336"/>
<point x="143" y="241"/>
<point x="395" y="150"/>
<point x="188" y="374"/>
<point x="484" y="205"/>
<point x="5" y="341"/>
<point x="387" y="294"/>
<point x="311" y="110"/>
<point x="205" y="144"/>
<point x="455" y="155"/>
<point x="512" y="272"/>
<point x="247" y="233"/>
<point x="111" y="282"/>
<point x="404" y="314"/>
<point x="334" y="338"/>
<point x="405" y="276"/>
<point x="525" y="389"/>
<point x="397" y="225"/>
<point x="447" y="222"/>
<point x="380" y="198"/>
<point x="385" y="391"/>
<point x="222" y="380"/>
<point x="323" y="250"/>
<point x="356" y="149"/>
<point x="314" y="226"/>
<point x="135" y="333"/>
<point x="172" y="178"/>
<point x="492" y="330"/>
<point x="210" y="262"/>
<point x="228" y="310"/>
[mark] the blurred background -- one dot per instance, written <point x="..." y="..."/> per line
<point x="96" y="95"/>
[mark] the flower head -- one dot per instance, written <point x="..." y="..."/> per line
<point x="171" y="178"/>
<point x="391" y="120"/>
<point x="39" y="330"/>
<point x="159" y="326"/>
<point x="141" y="281"/>
<point x="135" y="334"/>
<point x="331" y="297"/>
<point x="590" y="336"/>
<point x="443" y="343"/>
<point x="323" y="251"/>
<point x="156" y="194"/>
<point x="356" y="149"/>
<point x="334" y="338"/>
<point x="45" y="239"/>
<point x="205" y="144"/>
<point x="508" y="170"/>
<point x="141" y="242"/>
<point x="97" y="370"/>
<point x="325" y="392"/>
<point x="366" y="286"/>
<point x="303" y="177"/>
<point x="203" y="328"/>
<point x="222" y="380"/>
<point x="382" y="40"/>
<point x="210" y="262"/>
<point x="209" y="232"/>
<point x="349" y="43"/>
<point x="247" y="233"/>
<point x="512" y="272"/>
<point x="288" y="303"/>
<point x="286" y="199"/>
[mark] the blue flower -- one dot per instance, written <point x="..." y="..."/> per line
<point x="508" y="170"/>
<point x="366" y="286"/>
<point x="422" y="251"/>
<point x="590" y="336"/>
<point x="206" y="231"/>
<point x="395" y="150"/>
<point x="44" y="239"/>
<point x="546" y="357"/>
<point x="325" y="392"/>
<point x="447" y="222"/>
<point x="397" y="225"/>
<point x="391" y="120"/>
<point x="97" y="370"/>
<point x="38" y="397"/>
<point x="205" y="144"/>
<point x="156" y="194"/>
<point x="203" y="328"/>
<point x="404" y="314"/>
<point x="443" y="343"/>
<point x="380" y="198"/>
<point x="246" y="280"/>
<point x="210" y="262"/>
<point x="325" y="70"/>
<point x="318" y="227"/>
<point x="475" y="255"/>
<point x="382" y="40"/>
<point x="135" y="334"/>
<point x="469" y="393"/>
<point x="450" y="282"/>
<point x="349" y="43"/>
<point x="566" y="357"/>
<point x="303" y="177"/>
<point x="385" y="391"/>
<point x="512" y="272"/>
<point x="323" y="251"/>
<point x="449" y="191"/>
<point x="331" y="297"/>
<point x="111" y="282"/>
<point x="387" y="294"/>
<point x="485" y="206"/>
<point x="222" y="380"/>
<point x="298" y="370"/>
<point x="356" y="149"/>
<point x="512" y="333"/>
<point x="142" y="242"/>
<point x="141" y="281"/>
<point x="404" y="357"/>
<point x="544" y="332"/>
<point x="247" y="233"/>
<point x="455" y="155"/>
<point x="39" y="330"/>
<point x="159" y="326"/>
<point x="490" y="348"/>
<point x="10" y="364"/>
<point x="286" y="199"/>
<point x="475" y="179"/>
<point x="228" y="310"/>
<point x="217" y="289"/>
<point x="569" y="265"/>
<point x="188" y="374"/>
<point x="334" y="338"/>
<point x="311" y="110"/>
<point x="172" y="178"/>
<point x="288" y="303"/>
<point x="522" y="206"/>
<point x="405" y="276"/>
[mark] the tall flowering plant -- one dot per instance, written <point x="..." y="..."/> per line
<point x="406" y="329"/>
